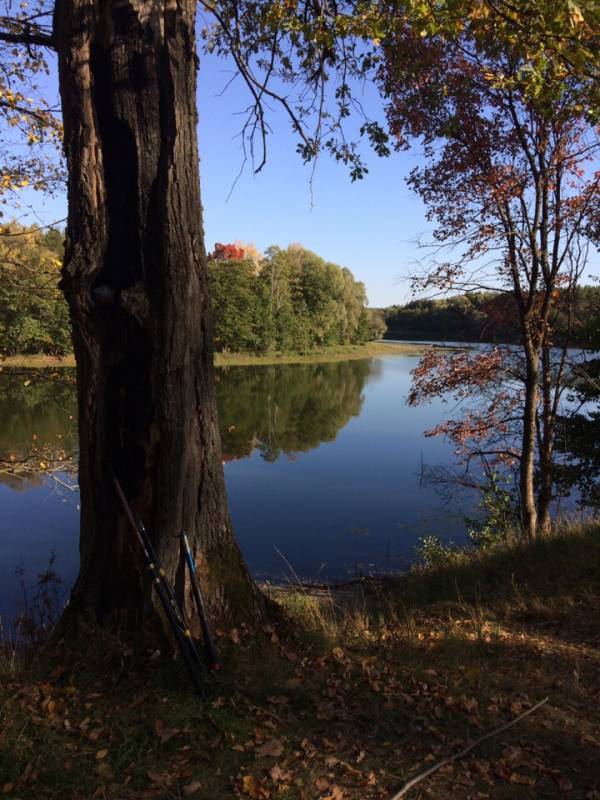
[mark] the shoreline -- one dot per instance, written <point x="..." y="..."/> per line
<point x="322" y="355"/>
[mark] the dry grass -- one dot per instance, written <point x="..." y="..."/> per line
<point x="37" y="361"/>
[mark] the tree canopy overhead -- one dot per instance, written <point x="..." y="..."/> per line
<point x="558" y="39"/>
<point x="311" y="59"/>
<point x="30" y="129"/>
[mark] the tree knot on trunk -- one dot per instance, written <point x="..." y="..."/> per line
<point x="135" y="301"/>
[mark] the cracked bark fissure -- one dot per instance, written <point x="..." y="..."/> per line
<point x="135" y="279"/>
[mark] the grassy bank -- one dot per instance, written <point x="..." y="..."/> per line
<point x="347" y="704"/>
<point x="338" y="353"/>
<point x="324" y="354"/>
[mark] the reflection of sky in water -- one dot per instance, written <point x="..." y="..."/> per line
<point x="353" y="502"/>
<point x="356" y="503"/>
<point x="36" y="521"/>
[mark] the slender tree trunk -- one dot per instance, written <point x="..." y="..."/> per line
<point x="545" y="494"/>
<point x="135" y="279"/>
<point x="529" y="517"/>
<point x="546" y="445"/>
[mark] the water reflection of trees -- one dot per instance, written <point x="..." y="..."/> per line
<point x="288" y="408"/>
<point x="38" y="434"/>
<point x="279" y="409"/>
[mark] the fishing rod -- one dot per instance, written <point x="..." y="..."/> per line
<point x="212" y="658"/>
<point x="166" y="595"/>
<point x="211" y="651"/>
<point x="177" y="611"/>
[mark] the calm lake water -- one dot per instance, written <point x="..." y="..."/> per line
<point x="322" y="461"/>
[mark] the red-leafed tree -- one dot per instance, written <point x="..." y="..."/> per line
<point x="227" y="252"/>
<point x="508" y="176"/>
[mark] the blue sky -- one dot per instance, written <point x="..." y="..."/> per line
<point x="370" y="226"/>
<point x="367" y="225"/>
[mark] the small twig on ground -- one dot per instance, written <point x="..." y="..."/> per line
<point x="421" y="777"/>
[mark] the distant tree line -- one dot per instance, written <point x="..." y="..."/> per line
<point x="488" y="317"/>
<point x="287" y="300"/>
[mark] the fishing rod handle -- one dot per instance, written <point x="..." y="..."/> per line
<point x="178" y="613"/>
<point x="184" y="640"/>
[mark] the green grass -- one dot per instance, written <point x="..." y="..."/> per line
<point x="319" y="355"/>
<point x="357" y="695"/>
<point x="323" y="354"/>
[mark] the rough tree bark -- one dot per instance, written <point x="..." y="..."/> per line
<point x="135" y="280"/>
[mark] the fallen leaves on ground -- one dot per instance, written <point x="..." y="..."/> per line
<point x="345" y="722"/>
<point x="272" y="747"/>
<point x="254" y="788"/>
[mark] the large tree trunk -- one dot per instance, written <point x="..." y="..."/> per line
<point x="135" y="279"/>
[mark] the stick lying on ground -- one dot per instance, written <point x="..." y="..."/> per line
<point x="166" y="595"/>
<point x="408" y="786"/>
<point x="211" y="651"/>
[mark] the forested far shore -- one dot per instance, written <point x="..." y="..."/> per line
<point x="286" y="301"/>
<point x="289" y="300"/>
<point x="491" y="317"/>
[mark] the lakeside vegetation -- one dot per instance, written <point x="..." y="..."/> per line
<point x="34" y="317"/>
<point x="286" y="300"/>
<point x="347" y="697"/>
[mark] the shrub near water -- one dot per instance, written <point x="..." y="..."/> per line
<point x="497" y="526"/>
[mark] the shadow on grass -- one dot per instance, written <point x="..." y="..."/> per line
<point x="543" y="581"/>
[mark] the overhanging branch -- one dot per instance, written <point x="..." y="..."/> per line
<point x="28" y="38"/>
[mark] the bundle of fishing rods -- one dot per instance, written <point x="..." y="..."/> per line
<point x="175" y="615"/>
